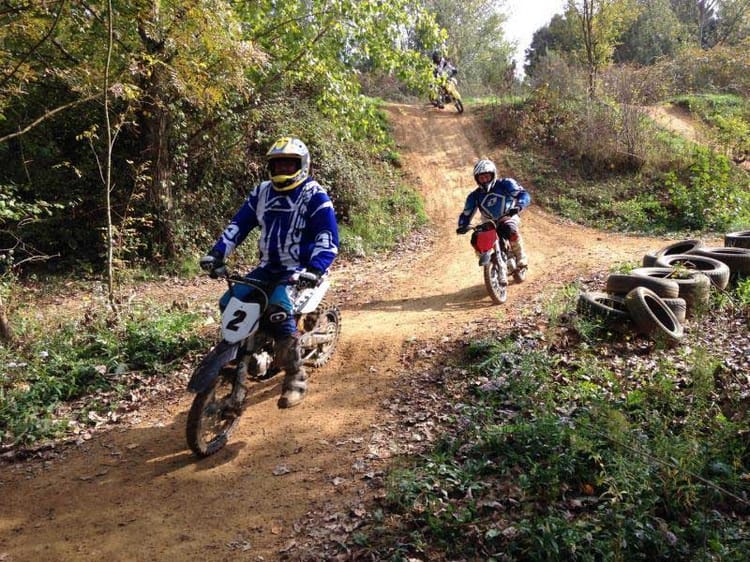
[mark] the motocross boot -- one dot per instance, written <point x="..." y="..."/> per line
<point x="294" y="387"/>
<point x="516" y="246"/>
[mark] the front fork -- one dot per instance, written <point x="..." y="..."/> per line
<point x="500" y="258"/>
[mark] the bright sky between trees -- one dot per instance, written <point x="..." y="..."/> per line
<point x="524" y="18"/>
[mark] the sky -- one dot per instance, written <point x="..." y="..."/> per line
<point x="524" y="18"/>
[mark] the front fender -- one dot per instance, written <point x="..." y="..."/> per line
<point x="206" y="372"/>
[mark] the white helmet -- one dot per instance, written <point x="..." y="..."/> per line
<point x="287" y="148"/>
<point x="485" y="167"/>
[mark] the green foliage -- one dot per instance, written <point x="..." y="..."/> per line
<point x="705" y="195"/>
<point x="728" y="119"/>
<point x="556" y="457"/>
<point x="655" y="34"/>
<point x="476" y="44"/>
<point x="722" y="69"/>
<point x="190" y="86"/>
<point x="78" y="360"/>
<point x="606" y="165"/>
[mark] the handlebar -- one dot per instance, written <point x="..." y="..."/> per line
<point x="294" y="279"/>
<point x="482" y="226"/>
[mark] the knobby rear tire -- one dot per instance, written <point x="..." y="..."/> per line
<point x="207" y="429"/>
<point x="326" y="319"/>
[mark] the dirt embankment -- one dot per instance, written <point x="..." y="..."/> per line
<point x="136" y="493"/>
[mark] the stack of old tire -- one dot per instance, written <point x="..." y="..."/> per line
<point x="672" y="286"/>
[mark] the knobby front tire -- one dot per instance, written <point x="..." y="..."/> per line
<point x="208" y="425"/>
<point x="498" y="292"/>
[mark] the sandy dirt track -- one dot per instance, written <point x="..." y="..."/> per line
<point x="136" y="492"/>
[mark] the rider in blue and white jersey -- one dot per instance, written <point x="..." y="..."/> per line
<point x="499" y="199"/>
<point x="298" y="231"/>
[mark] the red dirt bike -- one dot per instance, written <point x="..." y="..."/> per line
<point x="494" y="251"/>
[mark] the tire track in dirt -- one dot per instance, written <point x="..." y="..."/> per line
<point x="136" y="493"/>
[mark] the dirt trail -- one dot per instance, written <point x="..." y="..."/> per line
<point x="136" y="493"/>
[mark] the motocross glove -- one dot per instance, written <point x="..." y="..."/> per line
<point x="213" y="264"/>
<point x="462" y="230"/>
<point x="308" y="277"/>
<point x="513" y="211"/>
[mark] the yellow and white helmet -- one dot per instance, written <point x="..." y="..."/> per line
<point x="288" y="163"/>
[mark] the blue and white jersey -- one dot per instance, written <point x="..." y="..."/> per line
<point x="297" y="228"/>
<point x="504" y="194"/>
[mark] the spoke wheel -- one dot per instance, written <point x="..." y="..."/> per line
<point x="210" y="421"/>
<point x="498" y="291"/>
<point x="325" y="321"/>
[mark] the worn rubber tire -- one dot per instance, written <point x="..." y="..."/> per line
<point x="651" y="316"/>
<point x="739" y="239"/>
<point x="459" y="106"/>
<point x="606" y="308"/>
<point x="694" y="286"/>
<point x="679" y="307"/>
<point x="737" y="259"/>
<point x="717" y="271"/>
<point x="681" y="247"/>
<point x="622" y="284"/>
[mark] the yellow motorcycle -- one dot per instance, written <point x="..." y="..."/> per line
<point x="445" y="91"/>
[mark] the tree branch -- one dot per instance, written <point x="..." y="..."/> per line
<point x="46" y="116"/>
<point x="25" y="57"/>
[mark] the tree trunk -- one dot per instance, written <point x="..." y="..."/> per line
<point x="6" y="334"/>
<point x="157" y="124"/>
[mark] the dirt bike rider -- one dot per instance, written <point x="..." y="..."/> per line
<point x="501" y="200"/>
<point x="298" y="232"/>
<point x="443" y="71"/>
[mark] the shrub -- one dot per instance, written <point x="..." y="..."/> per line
<point x="706" y="194"/>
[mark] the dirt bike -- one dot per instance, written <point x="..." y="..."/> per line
<point x="447" y="92"/>
<point x="494" y="250"/>
<point x="246" y="354"/>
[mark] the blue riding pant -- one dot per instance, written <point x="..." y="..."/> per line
<point x="276" y="286"/>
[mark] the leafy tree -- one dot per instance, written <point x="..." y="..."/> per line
<point x="558" y="36"/>
<point x="187" y="80"/>
<point x="599" y="25"/>
<point x="733" y="26"/>
<point x="476" y="42"/>
<point x="699" y="16"/>
<point x="656" y="33"/>
<point x="170" y="59"/>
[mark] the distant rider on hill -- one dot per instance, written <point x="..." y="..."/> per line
<point x="500" y="200"/>
<point x="443" y="71"/>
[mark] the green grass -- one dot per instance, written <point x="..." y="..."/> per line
<point x="63" y="361"/>
<point x="575" y="451"/>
